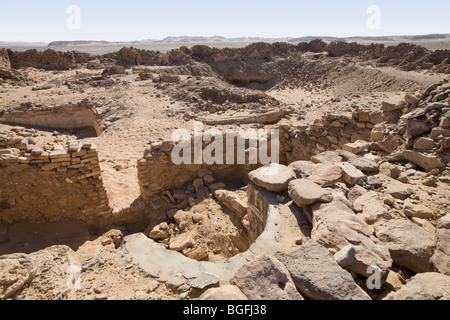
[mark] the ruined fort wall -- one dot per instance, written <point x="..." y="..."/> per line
<point x="157" y="173"/>
<point x="329" y="133"/>
<point x="61" y="117"/>
<point x="51" y="185"/>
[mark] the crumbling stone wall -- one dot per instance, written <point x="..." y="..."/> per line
<point x="47" y="59"/>
<point x="157" y="173"/>
<point x="51" y="185"/>
<point x="61" y="117"/>
<point x="4" y="59"/>
<point x="329" y="133"/>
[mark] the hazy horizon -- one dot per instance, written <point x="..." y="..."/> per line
<point x="82" y="20"/>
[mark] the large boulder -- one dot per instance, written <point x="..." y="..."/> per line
<point x="335" y="226"/>
<point x="318" y="276"/>
<point x="273" y="177"/>
<point x="302" y="168"/>
<point x="371" y="209"/>
<point x="424" y="160"/>
<point x="350" y="174"/>
<point x="441" y="257"/>
<point x="424" y="286"/>
<point x="395" y="188"/>
<point x="410" y="245"/>
<point x="326" y="174"/>
<point x="305" y="192"/>
<point x="364" y="164"/>
<point x="266" y="278"/>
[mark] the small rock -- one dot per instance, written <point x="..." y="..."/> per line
<point x="346" y="256"/>
<point x="101" y="296"/>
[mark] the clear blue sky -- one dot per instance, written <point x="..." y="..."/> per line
<point x="45" y="20"/>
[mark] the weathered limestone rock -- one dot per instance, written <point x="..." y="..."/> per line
<point x="159" y="232"/>
<point x="305" y="192"/>
<point x="410" y="245"/>
<point x="424" y="144"/>
<point x="416" y="127"/>
<point x="356" y="147"/>
<point x="395" y="188"/>
<point x="392" y="106"/>
<point x="420" y="211"/>
<point x="16" y="270"/>
<point x="351" y="174"/>
<point x="335" y="226"/>
<point x="441" y="257"/>
<point x="327" y="157"/>
<point x="223" y="293"/>
<point x="371" y="208"/>
<point x="204" y="280"/>
<point x="326" y="174"/>
<point x="302" y="168"/>
<point x="424" y="286"/>
<point x="230" y="200"/>
<point x="390" y="143"/>
<point x="426" y="161"/>
<point x="318" y="276"/>
<point x="273" y="177"/>
<point x="266" y="278"/>
<point x="181" y="242"/>
<point x="346" y="256"/>
<point x="364" y="164"/>
<point x="411" y="98"/>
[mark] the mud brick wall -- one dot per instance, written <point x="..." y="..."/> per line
<point x="51" y="184"/>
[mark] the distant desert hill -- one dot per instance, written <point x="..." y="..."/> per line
<point x="220" y="39"/>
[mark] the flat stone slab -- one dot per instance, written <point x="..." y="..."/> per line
<point x="305" y="192"/>
<point x="318" y="276"/>
<point x="204" y="281"/>
<point x="273" y="177"/>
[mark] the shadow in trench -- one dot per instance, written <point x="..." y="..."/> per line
<point x="31" y="237"/>
<point x="302" y="220"/>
